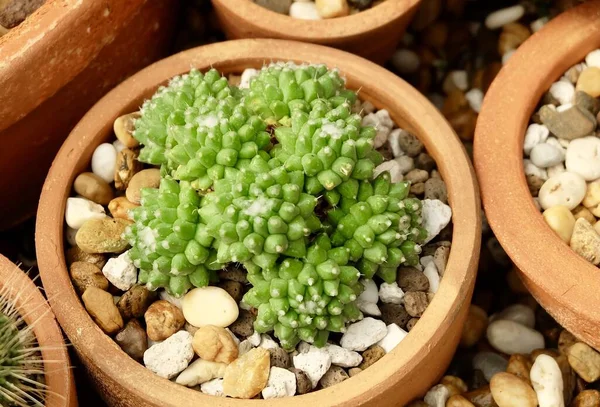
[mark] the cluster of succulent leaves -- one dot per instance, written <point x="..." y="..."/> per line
<point x="279" y="177"/>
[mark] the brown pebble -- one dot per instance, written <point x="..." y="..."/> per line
<point x="513" y="35"/>
<point x="585" y="361"/>
<point x="455" y="381"/>
<point x="303" y="383"/>
<point x="333" y="376"/>
<point x="354" y="371"/>
<point x="411" y="279"/>
<point x="86" y="275"/>
<point x="411" y="324"/>
<point x="215" y="344"/>
<point x="233" y="288"/>
<point x="416" y="176"/>
<point x="126" y="167"/>
<point x="440" y="259"/>
<point x="410" y="144"/>
<point x="424" y="162"/>
<point x="416" y="303"/>
<point x="394" y="314"/>
<point x="163" y="319"/>
<point x="124" y="126"/>
<point x="520" y="366"/>
<point x="149" y="178"/>
<point x="435" y="188"/>
<point x="458" y="401"/>
<point x="565" y="340"/>
<point x="475" y="326"/>
<point x="100" y="305"/>
<point x="133" y="340"/>
<point x="507" y="388"/>
<point x="135" y="302"/>
<point x="76" y="254"/>
<point x="482" y="397"/>
<point x="94" y="188"/>
<point x="233" y="273"/>
<point x="120" y="206"/>
<point x="279" y="358"/>
<point x="371" y="355"/>
<point x="587" y="398"/>
<point x="417" y="189"/>
<point x="102" y="236"/>
<point x="244" y="324"/>
<point x="534" y="183"/>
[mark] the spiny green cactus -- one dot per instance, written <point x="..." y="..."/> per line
<point x="278" y="177"/>
<point x="21" y="367"/>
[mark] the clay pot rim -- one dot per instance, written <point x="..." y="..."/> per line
<point x="231" y="56"/>
<point x="563" y="282"/>
<point x="32" y="306"/>
<point x="316" y="30"/>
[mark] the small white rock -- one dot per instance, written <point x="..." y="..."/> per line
<point x="303" y="347"/>
<point x="119" y="146"/>
<point x="392" y="167"/>
<point x="382" y="122"/>
<point x="213" y="387"/>
<point x="460" y="79"/>
<point x="564" y="107"/>
<point x="489" y="363"/>
<point x="244" y="347"/>
<point x="343" y="357"/>
<point x="255" y="339"/>
<point x="405" y="61"/>
<point x="120" y="271"/>
<point x="583" y="157"/>
<point x="394" y="140"/>
<point x="546" y="155"/>
<point x="362" y="334"/>
<point x="367" y="300"/>
<point x="593" y="58"/>
<point x="566" y="188"/>
<point x="535" y="134"/>
<point x="281" y="383"/>
<point x="511" y="337"/>
<point x="209" y="306"/>
<point x="247" y="75"/>
<point x="104" y="161"/>
<point x="171" y="356"/>
<point x="547" y="380"/>
<point x="406" y="163"/>
<point x="267" y="343"/>
<point x="532" y="169"/>
<point x="163" y="295"/>
<point x="235" y="338"/>
<point x="433" y="276"/>
<point x="475" y="99"/>
<point x="425" y="260"/>
<point x="394" y="336"/>
<point x="368" y="308"/>
<point x="79" y="210"/>
<point x="304" y="10"/>
<point x="437" y="396"/>
<point x="315" y="363"/>
<point x="436" y="216"/>
<point x="518" y="313"/>
<point x="562" y="91"/>
<point x="500" y="18"/>
<point x="391" y="293"/>
<point x="201" y="371"/>
<point x="537" y="25"/>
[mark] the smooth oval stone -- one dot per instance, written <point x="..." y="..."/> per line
<point x="511" y="337"/>
<point x="209" y="306"/>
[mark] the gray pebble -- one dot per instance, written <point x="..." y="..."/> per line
<point x="333" y="376"/>
<point x="425" y="162"/>
<point x="435" y="188"/>
<point x="244" y="325"/>
<point x="416" y="176"/>
<point x="278" y="6"/>
<point x="394" y="314"/>
<point x="416" y="303"/>
<point x="410" y="144"/>
<point x="411" y="279"/>
<point x="279" y="358"/>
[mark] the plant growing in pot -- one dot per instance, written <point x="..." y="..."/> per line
<point x="97" y="45"/>
<point x="305" y="255"/>
<point x="373" y="33"/>
<point x="507" y="159"/>
<point x="34" y="364"/>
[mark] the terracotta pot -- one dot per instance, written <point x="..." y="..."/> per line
<point x="53" y="67"/>
<point x="408" y="370"/>
<point x="373" y="33"/>
<point x="32" y="306"/>
<point x="565" y="284"/>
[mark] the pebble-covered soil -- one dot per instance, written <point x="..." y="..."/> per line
<point x="512" y="352"/>
<point x="317" y="9"/>
<point x="14" y="12"/>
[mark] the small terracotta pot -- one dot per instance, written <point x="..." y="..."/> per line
<point x="565" y="284"/>
<point x="408" y="371"/>
<point x="53" y="67"/>
<point x="32" y="306"/>
<point x="373" y="33"/>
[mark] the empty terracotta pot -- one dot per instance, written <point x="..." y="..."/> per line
<point x="565" y="284"/>
<point x="53" y="67"/>
<point x="373" y="33"/>
<point x="32" y="306"/>
<point x="405" y="373"/>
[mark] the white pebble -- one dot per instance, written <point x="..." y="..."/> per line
<point x="393" y="168"/>
<point x="532" y="169"/>
<point x="163" y="295"/>
<point x="562" y="91"/>
<point x="267" y="342"/>
<point x="555" y="170"/>
<point x="500" y="18"/>
<point x="546" y="155"/>
<point x="489" y="363"/>
<point x="564" y="107"/>
<point x="304" y="11"/>
<point x="104" y="161"/>
<point x="433" y="276"/>
<point x="362" y="334"/>
<point x="583" y="157"/>
<point x="535" y="134"/>
<point x="79" y="210"/>
<point x="406" y="163"/>
<point x="120" y="271"/>
<point x="247" y="75"/>
<point x="281" y="383"/>
<point x="391" y="293"/>
<point x="537" y="25"/>
<point x="425" y="260"/>
<point x="201" y="371"/>
<point x="475" y="99"/>
<point x="244" y="347"/>
<point x="566" y="188"/>
<point x="255" y="339"/>
<point x="343" y="357"/>
<point x="394" y="140"/>
<point x="518" y="313"/>
<point x="405" y="61"/>
<point x="315" y="363"/>
<point x="382" y="122"/>
<point x="460" y="79"/>
<point x="511" y="337"/>
<point x="209" y="306"/>
<point x="367" y="300"/>
<point x="547" y="380"/>
<point x="213" y="387"/>
<point x="593" y="58"/>
<point x="392" y="338"/>
<point x="119" y="146"/>
<point x="437" y="396"/>
<point x="436" y="216"/>
<point x="171" y="356"/>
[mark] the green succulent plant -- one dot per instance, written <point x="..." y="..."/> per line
<point x="278" y="177"/>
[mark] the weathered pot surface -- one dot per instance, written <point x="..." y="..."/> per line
<point x="53" y="67"/>
<point x="373" y="33"/>
<point x="408" y="371"/>
<point x="34" y="309"/>
<point x="565" y="284"/>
